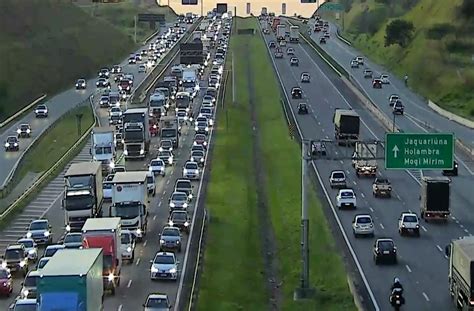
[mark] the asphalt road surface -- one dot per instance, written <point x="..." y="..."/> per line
<point x="135" y="283"/>
<point x="422" y="266"/>
<point x="57" y="106"/>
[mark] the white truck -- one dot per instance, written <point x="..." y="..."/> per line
<point x="190" y="81"/>
<point x="103" y="147"/>
<point x="281" y="32"/>
<point x="83" y="194"/>
<point x="294" y="33"/>
<point x="197" y="35"/>
<point x="461" y="272"/>
<point x="364" y="159"/>
<point x="157" y="105"/>
<point x="130" y="201"/>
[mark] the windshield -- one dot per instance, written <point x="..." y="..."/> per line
<point x="51" y="251"/>
<point x="150" y="180"/>
<point x="166" y="143"/>
<point x="42" y="263"/>
<point x="183" y="185"/>
<point x="156" y="163"/>
<point x="79" y="202"/>
<point x="30" y="281"/>
<point x="163" y="259"/>
<point x="134" y="135"/>
<point x="346" y="194"/>
<point x="197" y="154"/>
<point x="127" y="211"/>
<point x="157" y="303"/>
<point x="157" y="103"/>
<point x="409" y="219"/>
<point x="338" y="175"/>
<point x="103" y="150"/>
<point x="39" y="225"/>
<point x="27" y="243"/>
<point x="191" y="166"/>
<point x="164" y="153"/>
<point x="179" y="197"/>
<point x="167" y="133"/>
<point x="73" y="238"/>
<point x="126" y="238"/>
<point x="385" y="244"/>
<point x="4" y="274"/>
<point x="364" y="220"/>
<point x="170" y="232"/>
<point x="189" y="84"/>
<point x="25" y="307"/>
<point x="179" y="216"/>
<point x="182" y="101"/>
<point x="76" y="181"/>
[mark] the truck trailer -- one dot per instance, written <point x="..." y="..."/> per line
<point x="435" y="197"/>
<point x="294" y="33"/>
<point x="83" y="194"/>
<point x="169" y="130"/>
<point x="461" y="272"/>
<point x="190" y="81"/>
<point x="157" y="105"/>
<point x="104" y="233"/>
<point x="72" y="281"/>
<point x="364" y="159"/>
<point x="346" y="126"/>
<point x="130" y="201"/>
<point x="281" y="32"/>
<point x="136" y="133"/>
<point x="103" y="147"/>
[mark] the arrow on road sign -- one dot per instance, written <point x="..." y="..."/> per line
<point x="395" y="151"/>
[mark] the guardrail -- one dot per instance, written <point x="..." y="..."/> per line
<point x="293" y="126"/>
<point x="60" y="163"/>
<point x="338" y="34"/>
<point x="23" y="110"/>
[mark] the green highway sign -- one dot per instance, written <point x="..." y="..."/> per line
<point x="419" y="151"/>
<point x="329" y="6"/>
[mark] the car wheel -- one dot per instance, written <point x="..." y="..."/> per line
<point x="179" y="249"/>
<point x="376" y="260"/>
<point x="133" y="258"/>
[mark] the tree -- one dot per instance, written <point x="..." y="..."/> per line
<point x="467" y="9"/>
<point x="399" y="32"/>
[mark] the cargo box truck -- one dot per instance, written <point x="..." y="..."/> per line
<point x="435" y="198"/>
<point x="461" y="272"/>
<point x="346" y="126"/>
<point x="72" y="281"/>
<point x="103" y="147"/>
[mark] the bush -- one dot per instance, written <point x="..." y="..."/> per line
<point x="466" y="9"/>
<point x="459" y="46"/>
<point x="399" y="32"/>
<point x="438" y="31"/>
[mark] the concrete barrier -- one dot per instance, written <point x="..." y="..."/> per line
<point x="450" y="115"/>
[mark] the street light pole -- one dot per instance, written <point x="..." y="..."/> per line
<point x="393" y="123"/>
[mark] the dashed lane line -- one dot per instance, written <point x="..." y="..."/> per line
<point x="426" y="296"/>
<point x="137" y="262"/>
<point x="408" y="268"/>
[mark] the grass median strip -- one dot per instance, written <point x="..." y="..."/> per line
<point x="232" y="277"/>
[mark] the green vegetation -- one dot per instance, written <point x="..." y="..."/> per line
<point x="122" y="15"/>
<point x="46" y="45"/>
<point x="227" y="262"/>
<point x="438" y="59"/>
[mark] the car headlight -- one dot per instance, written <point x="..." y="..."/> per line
<point x="68" y="228"/>
<point x="4" y="265"/>
<point x="28" y="235"/>
<point x="202" y="160"/>
<point x="172" y="204"/>
<point x="211" y="122"/>
<point x="110" y="277"/>
<point x="162" y="241"/>
<point x="187" y="109"/>
<point x="125" y="152"/>
<point x="18" y="131"/>
<point x="129" y="249"/>
<point x="139" y="231"/>
<point x="205" y="143"/>
<point x="196" y="128"/>
<point x="190" y="196"/>
<point x="32" y="252"/>
<point x="186" y="224"/>
<point x="15" y="145"/>
<point x="172" y="270"/>
<point x="171" y="223"/>
<point x="25" y="293"/>
<point x="142" y="151"/>
<point x="22" y="263"/>
<point x="185" y="171"/>
<point x="7" y="145"/>
<point x="170" y="160"/>
<point x="206" y="129"/>
<point x="154" y="270"/>
<point x="46" y="233"/>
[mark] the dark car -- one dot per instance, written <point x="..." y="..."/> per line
<point x="102" y="82"/>
<point x="16" y="259"/>
<point x="377" y="84"/>
<point x="368" y="73"/>
<point x="180" y="219"/>
<point x="296" y="93"/>
<point x="24" y="131"/>
<point x="81" y="84"/>
<point x="452" y="172"/>
<point x="398" y="108"/>
<point x="200" y="139"/>
<point x="302" y="108"/>
<point x="12" y="144"/>
<point x="318" y="148"/>
<point x="322" y="40"/>
<point x="272" y="44"/>
<point x="6" y="286"/>
<point x="104" y="73"/>
<point x="385" y="251"/>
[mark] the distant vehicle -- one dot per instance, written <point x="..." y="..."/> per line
<point x="116" y="69"/>
<point x="337" y="179"/>
<point x="164" y="266"/>
<point x="346" y="198"/>
<point x="178" y="201"/>
<point x="24" y="131"/>
<point x="191" y="171"/>
<point x="198" y="157"/>
<point x="25" y="305"/>
<point x="392" y="99"/>
<point x="377" y="83"/>
<point x="318" y="148"/>
<point x="385" y="251"/>
<point x="272" y="44"/>
<point x="381" y="187"/>
<point x="184" y="185"/>
<point x="354" y="63"/>
<point x="200" y="139"/>
<point x="104" y="101"/>
<point x="398" y="108"/>
<point x="181" y="220"/>
<point x="41" y="111"/>
<point x="103" y="83"/>
<point x="305" y="77"/>
<point x="166" y="156"/>
<point x="132" y="60"/>
<point x="104" y="73"/>
<point x="157" y="302"/>
<point x="40" y="231"/>
<point x="15" y="259"/>
<point x="6" y="284"/>
<point x="127" y="245"/>
<point x="290" y="51"/>
<point x="296" y="92"/>
<point x="362" y="224"/>
<point x="166" y="144"/>
<point x="81" y="84"/>
<point x="294" y="61"/>
<point x="302" y="108"/>
<point x="435" y="198"/>
<point x="28" y="289"/>
<point x="322" y="40"/>
<point x="368" y="73"/>
<point x="408" y="224"/>
<point x="52" y="249"/>
<point x="327" y="35"/>
<point x="12" y="144"/>
<point x="157" y="167"/>
<point x="360" y="60"/>
<point x="384" y="78"/>
<point x="141" y="68"/>
<point x="30" y="247"/>
<point x="170" y="239"/>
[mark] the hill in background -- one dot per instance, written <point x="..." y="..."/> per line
<point x="439" y="58"/>
<point x="45" y="45"/>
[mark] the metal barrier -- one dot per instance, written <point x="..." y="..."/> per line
<point x="23" y="110"/>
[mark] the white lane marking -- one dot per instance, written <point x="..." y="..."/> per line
<point x="362" y="194"/>
<point x="164" y="192"/>
<point x="154" y="217"/>
<point x="382" y="226"/>
<point x="120" y="308"/>
<point x="439" y="248"/>
<point x="171" y="172"/>
<point x="144" y="243"/>
<point x="408" y="268"/>
<point x="465" y="230"/>
<point x="424" y="229"/>
<point x="159" y="204"/>
<point x="354" y="182"/>
<point x="426" y="296"/>
<point x="462" y="227"/>
<point x="371" y="209"/>
<point x="453" y="218"/>
<point x="409" y="210"/>
<point x="129" y="283"/>
<point x="138" y="261"/>
<point x="167" y="182"/>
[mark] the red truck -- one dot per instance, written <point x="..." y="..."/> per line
<point x="105" y="233"/>
<point x="275" y="23"/>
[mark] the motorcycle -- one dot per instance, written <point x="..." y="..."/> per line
<point x="397" y="300"/>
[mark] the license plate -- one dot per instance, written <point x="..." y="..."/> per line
<point x="397" y="302"/>
<point x="386" y="252"/>
<point x="163" y="274"/>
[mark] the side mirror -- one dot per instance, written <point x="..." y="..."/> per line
<point x="21" y="283"/>
<point x="447" y="250"/>
<point x="143" y="305"/>
<point x="151" y="261"/>
<point x="49" y="226"/>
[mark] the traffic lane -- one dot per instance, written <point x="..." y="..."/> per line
<point x="344" y="54"/>
<point x="392" y="219"/>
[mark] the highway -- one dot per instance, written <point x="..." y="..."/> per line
<point x="422" y="265"/>
<point x="418" y="116"/>
<point x="57" y="106"/>
<point x="135" y="277"/>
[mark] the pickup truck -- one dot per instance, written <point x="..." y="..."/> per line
<point x="381" y="187"/>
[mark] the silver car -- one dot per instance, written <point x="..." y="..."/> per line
<point x="40" y="231"/>
<point x="28" y="289"/>
<point x="170" y="239"/>
<point x="128" y="245"/>
<point x="30" y="247"/>
<point x="362" y="224"/>
<point x="157" y="302"/>
<point x="178" y="200"/>
<point x="337" y="179"/>
<point x="73" y="240"/>
<point x="157" y="167"/>
<point x="191" y="170"/>
<point x="164" y="266"/>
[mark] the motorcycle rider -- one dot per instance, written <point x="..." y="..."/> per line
<point x="397" y="285"/>
<point x="396" y="298"/>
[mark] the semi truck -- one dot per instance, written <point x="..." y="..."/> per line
<point x="197" y="35"/>
<point x="169" y="130"/>
<point x="281" y="32"/>
<point x="83" y="194"/>
<point x="103" y="147"/>
<point x="136" y="133"/>
<point x="275" y="23"/>
<point x="190" y="81"/>
<point x="294" y="33"/>
<point x="157" y="105"/>
<point x="264" y="11"/>
<point x="72" y="281"/>
<point x="183" y="101"/>
<point x="130" y="201"/>
<point x="346" y="125"/>
<point x="364" y="159"/>
<point x="104" y="233"/>
<point x="435" y="198"/>
<point x="461" y="272"/>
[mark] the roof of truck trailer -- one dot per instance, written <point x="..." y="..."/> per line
<point x="103" y="129"/>
<point x="129" y="177"/>
<point x="62" y="264"/>
<point x="83" y="168"/>
<point x="346" y="112"/>
<point x="136" y="110"/>
<point x="466" y="245"/>
<point x="104" y="224"/>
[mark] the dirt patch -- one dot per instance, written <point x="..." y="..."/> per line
<point x="267" y="235"/>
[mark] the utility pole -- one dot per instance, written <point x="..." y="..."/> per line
<point x="304" y="291"/>
<point x="135" y="29"/>
<point x="393" y="123"/>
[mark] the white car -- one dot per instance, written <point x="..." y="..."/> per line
<point x="115" y="112"/>
<point x="127" y="246"/>
<point x="360" y="60"/>
<point x="346" y="198"/>
<point x="30" y="247"/>
<point x="337" y="179"/>
<point x="141" y="68"/>
<point x="384" y="79"/>
<point x="208" y="102"/>
<point x="191" y="170"/>
<point x="107" y="187"/>
<point x="157" y="167"/>
<point x="362" y="224"/>
<point x="151" y="184"/>
<point x="164" y="266"/>
<point x="408" y="224"/>
<point x="282" y="43"/>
